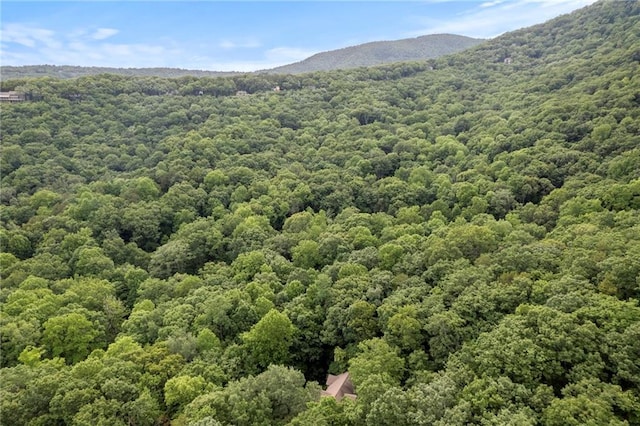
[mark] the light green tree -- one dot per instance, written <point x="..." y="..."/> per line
<point x="269" y="340"/>
<point x="181" y="390"/>
<point x="71" y="336"/>
<point x="376" y="357"/>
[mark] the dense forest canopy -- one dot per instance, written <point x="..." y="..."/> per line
<point x="462" y="236"/>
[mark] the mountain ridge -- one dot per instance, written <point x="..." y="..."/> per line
<point x="380" y="52"/>
<point x="362" y="55"/>
<point x="72" y="71"/>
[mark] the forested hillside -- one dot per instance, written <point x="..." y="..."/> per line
<point x="462" y="236"/>
<point x="381" y="52"/>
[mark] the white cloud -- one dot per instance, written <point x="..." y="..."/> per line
<point x="28" y="35"/>
<point x="118" y="50"/>
<point x="249" y="43"/>
<point x="91" y="47"/>
<point x="271" y="58"/>
<point x="493" y="18"/>
<point x="226" y="44"/>
<point x="103" y="33"/>
<point x="285" y="55"/>
<point x="228" y="66"/>
<point x="491" y="3"/>
<point x="25" y="44"/>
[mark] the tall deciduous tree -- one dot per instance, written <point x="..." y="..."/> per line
<point x="71" y="336"/>
<point x="269" y="340"/>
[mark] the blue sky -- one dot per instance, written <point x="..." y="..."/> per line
<point x="241" y="35"/>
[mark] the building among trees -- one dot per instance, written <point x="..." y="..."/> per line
<point x="339" y="387"/>
<point x="11" y="97"/>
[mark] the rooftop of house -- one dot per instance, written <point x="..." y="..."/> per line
<point x="339" y="387"/>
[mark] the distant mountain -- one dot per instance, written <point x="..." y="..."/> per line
<point x="71" y="71"/>
<point x="368" y="54"/>
<point x="381" y="52"/>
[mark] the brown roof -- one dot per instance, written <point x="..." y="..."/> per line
<point x="339" y="387"/>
